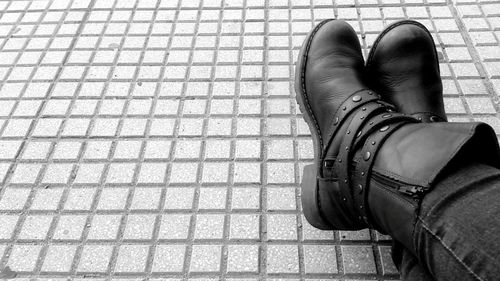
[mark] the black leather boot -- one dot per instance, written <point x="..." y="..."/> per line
<point x="402" y="55"/>
<point x="397" y="77"/>
<point x="403" y="66"/>
<point x="372" y="164"/>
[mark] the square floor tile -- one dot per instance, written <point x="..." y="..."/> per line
<point x="205" y="258"/>
<point x="169" y="258"/>
<point x="358" y="259"/>
<point x="132" y="258"/>
<point x="320" y="259"/>
<point x="209" y="226"/>
<point x="243" y="258"/>
<point x="95" y="258"/>
<point x="23" y="257"/>
<point x="174" y="226"/>
<point x="244" y="226"/>
<point x="59" y="258"/>
<point x="282" y="259"/>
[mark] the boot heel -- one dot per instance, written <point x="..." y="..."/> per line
<point x="309" y="191"/>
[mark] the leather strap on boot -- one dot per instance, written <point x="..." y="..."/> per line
<point x="363" y="114"/>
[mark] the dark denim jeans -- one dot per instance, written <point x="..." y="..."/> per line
<point x="457" y="235"/>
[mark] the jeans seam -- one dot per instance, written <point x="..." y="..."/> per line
<point x="448" y="249"/>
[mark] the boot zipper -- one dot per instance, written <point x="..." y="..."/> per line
<point x="412" y="190"/>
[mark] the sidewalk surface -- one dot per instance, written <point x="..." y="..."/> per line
<point x="161" y="139"/>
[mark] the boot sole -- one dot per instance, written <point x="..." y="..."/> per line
<point x="309" y="184"/>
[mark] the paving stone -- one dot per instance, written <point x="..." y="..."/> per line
<point x="27" y="108"/>
<point x="66" y="150"/>
<point x="36" y="150"/>
<point x="205" y="258"/>
<point x="139" y="227"/>
<point x="282" y="259"/>
<point x="454" y="105"/>
<point x="70" y="227"/>
<point x="278" y="126"/>
<point x="25" y="173"/>
<point x="152" y="173"/>
<point x="281" y="198"/>
<point x="311" y="233"/>
<point x="281" y="227"/>
<point x="4" y="168"/>
<point x="280" y="149"/>
<point x="320" y="259"/>
<point x="183" y="172"/>
<point x="169" y="258"/>
<point x="157" y="150"/>
<point x="132" y="258"/>
<point x="280" y="173"/>
<point x="179" y="198"/>
<point x="248" y="149"/>
<point x="472" y="87"/>
<point x="113" y="199"/>
<point x="248" y="126"/>
<point x="215" y="172"/>
<point x="212" y="198"/>
<point x="247" y="172"/>
<point x="305" y="149"/>
<point x="9" y="223"/>
<point x="209" y="226"/>
<point x="120" y="173"/>
<point x="480" y="105"/>
<point x="57" y="173"/>
<point x="104" y="227"/>
<point x="244" y="226"/>
<point x="355" y="235"/>
<point x="358" y="259"/>
<point x="79" y="199"/>
<point x="388" y="266"/>
<point x="147" y="198"/>
<point x="127" y="150"/>
<point x="35" y="227"/>
<point x="95" y="258"/>
<point x="243" y="258"/>
<point x="8" y="149"/>
<point x="46" y="199"/>
<point x="174" y="226"/>
<point x="14" y="198"/>
<point x="59" y="258"/>
<point x="23" y="257"/>
<point x="217" y="149"/>
<point x="246" y="198"/>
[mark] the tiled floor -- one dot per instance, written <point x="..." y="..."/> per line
<point x="161" y="138"/>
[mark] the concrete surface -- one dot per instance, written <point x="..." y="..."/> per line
<point x="161" y="140"/>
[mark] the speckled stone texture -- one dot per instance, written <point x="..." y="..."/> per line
<point x="160" y="139"/>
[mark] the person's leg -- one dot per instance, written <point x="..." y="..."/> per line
<point x="408" y="265"/>
<point x="457" y="232"/>
<point x="403" y="67"/>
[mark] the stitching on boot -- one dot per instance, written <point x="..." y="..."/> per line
<point x="389" y="28"/>
<point x="303" y="79"/>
